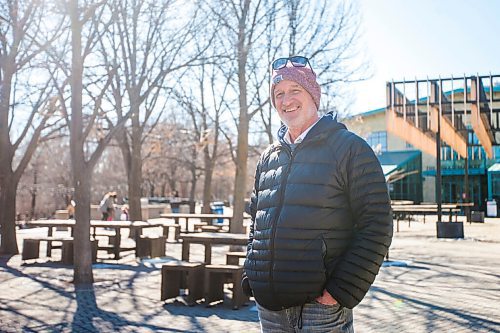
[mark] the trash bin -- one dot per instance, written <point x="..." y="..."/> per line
<point x="491" y="208"/>
<point x="217" y="208"/>
<point x="477" y="216"/>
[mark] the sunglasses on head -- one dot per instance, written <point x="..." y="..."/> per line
<point x="296" y="61"/>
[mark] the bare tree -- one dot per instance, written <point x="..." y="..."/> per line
<point x="45" y="185"/>
<point x="244" y="24"/>
<point x="165" y="156"/>
<point x="327" y="33"/>
<point x="204" y="103"/>
<point x="88" y="22"/>
<point x="151" y="42"/>
<point x="25" y="109"/>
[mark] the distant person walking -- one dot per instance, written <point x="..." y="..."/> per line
<point x="71" y="209"/>
<point x="107" y="206"/>
<point x="175" y="202"/>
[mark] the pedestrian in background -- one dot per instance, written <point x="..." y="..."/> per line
<point x="107" y="206"/>
<point x="321" y="216"/>
<point x="71" y="209"/>
<point x="175" y="202"/>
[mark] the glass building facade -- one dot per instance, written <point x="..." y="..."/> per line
<point x="403" y="172"/>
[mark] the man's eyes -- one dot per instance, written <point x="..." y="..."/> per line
<point x="293" y="92"/>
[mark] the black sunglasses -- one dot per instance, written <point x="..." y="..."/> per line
<point x="296" y="61"/>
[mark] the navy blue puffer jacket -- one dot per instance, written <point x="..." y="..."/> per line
<point x="321" y="219"/>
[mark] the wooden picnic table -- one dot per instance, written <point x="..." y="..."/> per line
<point x="177" y="216"/>
<point x="115" y="225"/>
<point x="208" y="239"/>
<point x="407" y="211"/>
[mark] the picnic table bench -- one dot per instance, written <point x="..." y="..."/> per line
<point x="115" y="247"/>
<point x="201" y="217"/>
<point x="208" y="239"/>
<point x="408" y="211"/>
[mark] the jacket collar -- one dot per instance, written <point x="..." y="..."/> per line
<point x="323" y="128"/>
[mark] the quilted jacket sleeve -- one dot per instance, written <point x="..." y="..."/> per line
<point x="372" y="222"/>
<point x="253" y="210"/>
<point x="253" y="206"/>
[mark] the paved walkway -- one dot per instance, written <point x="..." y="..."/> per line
<point x="429" y="285"/>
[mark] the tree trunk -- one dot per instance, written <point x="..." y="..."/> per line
<point x="192" y="190"/>
<point x="8" y="185"/>
<point x="8" y="241"/>
<point x="82" y="247"/>
<point x="241" y="176"/>
<point x="207" y="183"/>
<point x="240" y="181"/>
<point x="82" y="268"/>
<point x="135" y="174"/>
<point x="33" y="193"/>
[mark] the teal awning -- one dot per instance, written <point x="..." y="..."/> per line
<point x="393" y="163"/>
<point x="393" y="160"/>
<point x="494" y="168"/>
<point x="388" y="169"/>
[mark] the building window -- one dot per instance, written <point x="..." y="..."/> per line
<point x="378" y="141"/>
<point x="496" y="152"/>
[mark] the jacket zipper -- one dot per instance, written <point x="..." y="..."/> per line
<point x="280" y="206"/>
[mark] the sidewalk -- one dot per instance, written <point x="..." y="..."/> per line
<point x="429" y="285"/>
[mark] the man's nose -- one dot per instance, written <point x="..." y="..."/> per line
<point x="286" y="99"/>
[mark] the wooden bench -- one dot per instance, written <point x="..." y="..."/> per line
<point x="197" y="226"/>
<point x="401" y="212"/>
<point x="233" y="258"/>
<point x="150" y="246"/>
<point x="31" y="246"/>
<point x="210" y="228"/>
<point x="215" y="277"/>
<point x="176" y="275"/>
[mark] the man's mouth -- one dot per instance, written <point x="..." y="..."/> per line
<point x="290" y="109"/>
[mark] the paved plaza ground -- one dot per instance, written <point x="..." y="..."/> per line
<point x="428" y="285"/>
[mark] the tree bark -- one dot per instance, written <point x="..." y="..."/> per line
<point x="207" y="183"/>
<point x="243" y="123"/>
<point x="83" y="273"/>
<point x="8" y="242"/>
<point x="8" y="186"/>
<point x="82" y="268"/>
<point x="134" y="175"/>
<point x="241" y="175"/>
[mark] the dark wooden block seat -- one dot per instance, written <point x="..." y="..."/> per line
<point x="233" y="258"/>
<point x="31" y="249"/>
<point x="150" y="246"/>
<point x="31" y="246"/>
<point x="176" y="275"/>
<point x="67" y="252"/>
<point x="216" y="276"/>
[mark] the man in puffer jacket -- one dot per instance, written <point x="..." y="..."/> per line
<point x="321" y="214"/>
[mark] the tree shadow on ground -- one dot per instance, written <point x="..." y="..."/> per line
<point x="90" y="318"/>
<point x="432" y="310"/>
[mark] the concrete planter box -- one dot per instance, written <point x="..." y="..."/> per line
<point x="450" y="229"/>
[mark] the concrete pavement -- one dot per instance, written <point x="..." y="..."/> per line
<point x="429" y="285"/>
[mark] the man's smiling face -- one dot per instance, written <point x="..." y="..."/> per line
<point x="295" y="106"/>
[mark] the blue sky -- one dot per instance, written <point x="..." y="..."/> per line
<point x="420" y="38"/>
